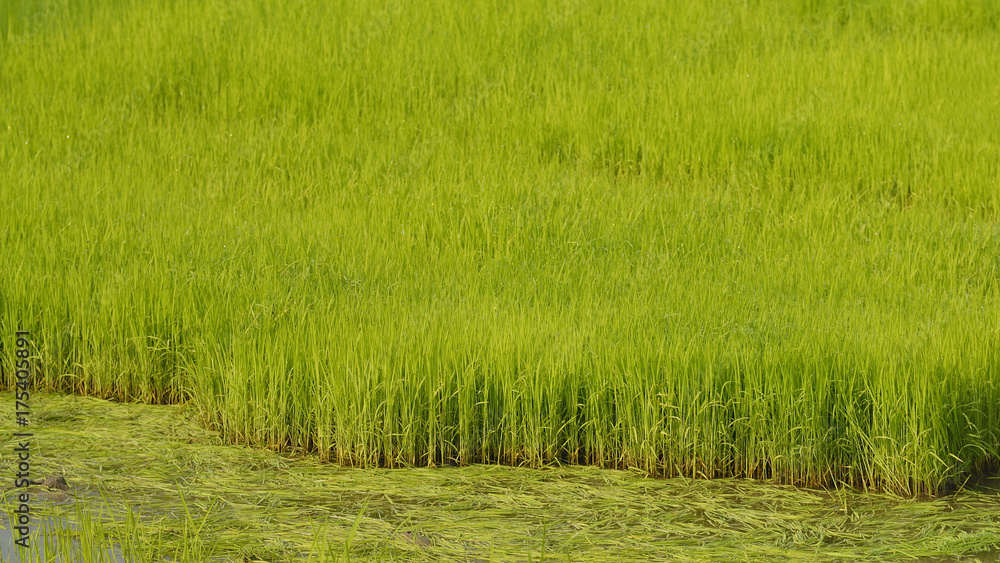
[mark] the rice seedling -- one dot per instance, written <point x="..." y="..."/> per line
<point x="733" y="239"/>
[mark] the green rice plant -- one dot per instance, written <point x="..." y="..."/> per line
<point x="247" y="504"/>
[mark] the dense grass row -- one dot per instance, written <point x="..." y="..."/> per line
<point x="740" y="239"/>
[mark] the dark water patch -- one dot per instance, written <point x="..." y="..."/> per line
<point x="53" y="540"/>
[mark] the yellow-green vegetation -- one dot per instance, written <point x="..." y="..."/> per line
<point x="733" y="238"/>
<point x="172" y="489"/>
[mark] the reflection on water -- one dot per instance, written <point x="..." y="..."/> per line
<point x="52" y="540"/>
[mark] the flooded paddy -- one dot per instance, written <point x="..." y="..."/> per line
<point x="164" y="485"/>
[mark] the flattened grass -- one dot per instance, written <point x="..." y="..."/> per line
<point x="178" y="491"/>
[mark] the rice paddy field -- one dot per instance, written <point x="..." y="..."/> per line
<point x="727" y="240"/>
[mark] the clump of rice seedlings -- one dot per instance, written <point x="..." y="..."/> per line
<point x="739" y="240"/>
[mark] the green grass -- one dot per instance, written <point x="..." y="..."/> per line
<point x="739" y="239"/>
<point x="173" y="491"/>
